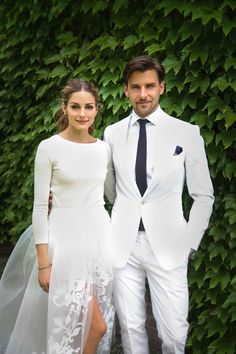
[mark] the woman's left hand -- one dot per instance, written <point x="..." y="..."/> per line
<point x="44" y="278"/>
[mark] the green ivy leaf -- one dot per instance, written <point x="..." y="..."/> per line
<point x="190" y="29"/>
<point x="229" y="173"/>
<point x="214" y="103"/>
<point x="199" y="118"/>
<point x="230" y="119"/>
<point x="118" y="5"/>
<point x="233" y="84"/>
<point x="52" y="59"/>
<point x="228" y="26"/>
<point x="65" y="38"/>
<point x="59" y="71"/>
<point x="130" y="41"/>
<point x="229" y="62"/>
<point x="109" y="42"/>
<point x="189" y="100"/>
<point x="207" y="136"/>
<point x="99" y="6"/>
<point x="169" y="6"/>
<point x="206" y="14"/>
<point x="172" y="62"/>
<point x="108" y="77"/>
<point x="221" y="83"/>
<point x="214" y="326"/>
<point x="154" y="48"/>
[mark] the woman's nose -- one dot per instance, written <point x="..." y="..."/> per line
<point x="82" y="112"/>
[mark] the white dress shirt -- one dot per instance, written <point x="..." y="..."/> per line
<point x="132" y="141"/>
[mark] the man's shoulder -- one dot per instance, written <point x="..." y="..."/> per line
<point x="118" y="125"/>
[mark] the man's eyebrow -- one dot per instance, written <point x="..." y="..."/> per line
<point x="79" y="103"/>
<point x="148" y="83"/>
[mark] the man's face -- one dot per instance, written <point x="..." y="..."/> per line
<point x="144" y="90"/>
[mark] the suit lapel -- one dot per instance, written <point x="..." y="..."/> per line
<point x="163" y="151"/>
<point x="122" y="152"/>
<point x="163" y="154"/>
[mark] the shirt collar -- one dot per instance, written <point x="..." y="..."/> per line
<point x="152" y="118"/>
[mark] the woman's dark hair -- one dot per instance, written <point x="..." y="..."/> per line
<point x="143" y="63"/>
<point x="72" y="86"/>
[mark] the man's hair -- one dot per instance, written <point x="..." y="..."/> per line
<point x="143" y="63"/>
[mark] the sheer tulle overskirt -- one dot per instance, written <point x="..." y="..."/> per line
<point x="58" y="323"/>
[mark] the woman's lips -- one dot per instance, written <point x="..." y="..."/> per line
<point x="82" y="121"/>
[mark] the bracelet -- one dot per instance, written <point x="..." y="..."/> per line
<point x="44" y="267"/>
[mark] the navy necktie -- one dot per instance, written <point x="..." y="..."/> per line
<point x="141" y="159"/>
<point x="141" y="162"/>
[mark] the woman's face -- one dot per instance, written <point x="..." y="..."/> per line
<point x="81" y="110"/>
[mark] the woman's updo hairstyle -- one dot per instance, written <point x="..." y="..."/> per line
<point x="72" y="86"/>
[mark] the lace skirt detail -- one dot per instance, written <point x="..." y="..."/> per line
<point x="33" y="322"/>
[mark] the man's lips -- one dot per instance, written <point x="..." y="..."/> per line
<point x="143" y="102"/>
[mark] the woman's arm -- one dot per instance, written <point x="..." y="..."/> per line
<point x="42" y="182"/>
<point x="44" y="266"/>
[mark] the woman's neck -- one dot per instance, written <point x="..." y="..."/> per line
<point x="78" y="136"/>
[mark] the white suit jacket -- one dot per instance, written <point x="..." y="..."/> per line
<point x="180" y="156"/>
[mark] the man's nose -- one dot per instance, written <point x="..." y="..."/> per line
<point x="143" y="92"/>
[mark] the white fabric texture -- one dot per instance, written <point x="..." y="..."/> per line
<point x="169" y="297"/>
<point x="171" y="235"/>
<point x="76" y="232"/>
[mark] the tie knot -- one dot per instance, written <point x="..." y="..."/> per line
<point x="142" y="122"/>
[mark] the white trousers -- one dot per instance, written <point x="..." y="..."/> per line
<point x="169" y="297"/>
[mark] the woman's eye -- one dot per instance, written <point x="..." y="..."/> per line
<point x="89" y="107"/>
<point x="74" y="106"/>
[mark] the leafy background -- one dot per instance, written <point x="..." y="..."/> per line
<point x="45" y="42"/>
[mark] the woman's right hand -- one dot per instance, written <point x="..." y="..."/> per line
<point x="44" y="278"/>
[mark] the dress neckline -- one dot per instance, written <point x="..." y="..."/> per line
<point x="77" y="143"/>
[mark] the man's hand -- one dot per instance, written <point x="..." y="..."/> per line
<point x="192" y="254"/>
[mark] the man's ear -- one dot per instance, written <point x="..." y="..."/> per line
<point x="162" y="88"/>
<point x="126" y="90"/>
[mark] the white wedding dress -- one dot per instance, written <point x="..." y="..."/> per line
<point x="77" y="232"/>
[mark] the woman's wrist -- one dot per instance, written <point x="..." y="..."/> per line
<point x="44" y="267"/>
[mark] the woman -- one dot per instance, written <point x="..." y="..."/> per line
<point x="72" y="312"/>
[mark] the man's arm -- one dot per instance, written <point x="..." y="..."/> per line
<point x="110" y="182"/>
<point x="199" y="187"/>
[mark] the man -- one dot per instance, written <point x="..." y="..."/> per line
<point x="153" y="154"/>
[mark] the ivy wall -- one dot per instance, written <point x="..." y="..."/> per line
<point x="45" y="42"/>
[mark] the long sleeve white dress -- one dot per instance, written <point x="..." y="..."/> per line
<point x="77" y="231"/>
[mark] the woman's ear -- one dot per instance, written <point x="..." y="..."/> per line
<point x="63" y="107"/>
